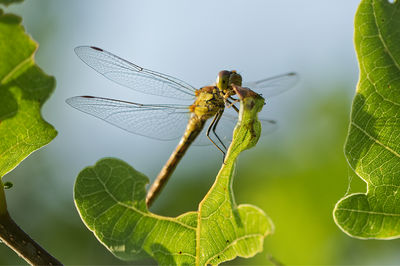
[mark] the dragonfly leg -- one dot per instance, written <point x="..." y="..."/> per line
<point x="232" y="104"/>
<point x="215" y="133"/>
<point x="233" y="99"/>
<point x="215" y="126"/>
<point x="210" y="127"/>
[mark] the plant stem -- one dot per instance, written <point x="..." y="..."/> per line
<point x="15" y="238"/>
<point x="274" y="261"/>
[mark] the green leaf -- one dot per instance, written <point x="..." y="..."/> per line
<point x="227" y="230"/>
<point x="373" y="144"/>
<point x="23" y="89"/>
<point x="8" y="2"/>
<point x="110" y="198"/>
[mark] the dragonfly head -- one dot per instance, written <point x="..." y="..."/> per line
<point x="226" y="78"/>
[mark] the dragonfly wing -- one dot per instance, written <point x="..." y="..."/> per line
<point x="163" y="122"/>
<point x="274" y="85"/>
<point x="132" y="76"/>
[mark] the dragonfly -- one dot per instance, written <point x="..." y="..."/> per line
<point x="170" y="121"/>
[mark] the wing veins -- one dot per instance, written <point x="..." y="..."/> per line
<point x="112" y="67"/>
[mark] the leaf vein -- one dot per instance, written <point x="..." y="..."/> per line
<point x="382" y="40"/>
<point x="369" y="212"/>
<point x="375" y="140"/>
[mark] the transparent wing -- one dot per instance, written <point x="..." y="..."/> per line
<point x="274" y="85"/>
<point x="132" y="76"/>
<point x="163" y="122"/>
<point x="227" y="124"/>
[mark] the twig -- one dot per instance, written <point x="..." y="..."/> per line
<point x="14" y="237"/>
<point x="273" y="260"/>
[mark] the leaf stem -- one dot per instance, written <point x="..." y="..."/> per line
<point x="274" y="261"/>
<point x="15" y="238"/>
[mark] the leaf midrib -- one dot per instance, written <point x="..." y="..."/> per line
<point x="141" y="212"/>
<point x="375" y="140"/>
<point x="26" y="61"/>
<point x="369" y="212"/>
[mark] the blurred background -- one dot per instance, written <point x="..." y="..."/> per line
<point x="296" y="174"/>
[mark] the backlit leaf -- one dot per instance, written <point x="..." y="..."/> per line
<point x="373" y="144"/>
<point x="23" y="89"/>
<point x="110" y="198"/>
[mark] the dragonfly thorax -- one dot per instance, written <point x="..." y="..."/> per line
<point x="208" y="102"/>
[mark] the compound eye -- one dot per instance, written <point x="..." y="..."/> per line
<point x="235" y="78"/>
<point x="223" y="79"/>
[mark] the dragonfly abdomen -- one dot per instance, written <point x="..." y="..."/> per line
<point x="193" y="129"/>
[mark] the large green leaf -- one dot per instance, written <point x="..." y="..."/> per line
<point x="23" y="89"/>
<point x="373" y="144"/>
<point x="110" y="198"/>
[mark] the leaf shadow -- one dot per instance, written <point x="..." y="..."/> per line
<point x="161" y="253"/>
<point x="237" y="217"/>
<point x="32" y="85"/>
<point x="8" y="103"/>
<point x="9" y="18"/>
<point x="35" y="84"/>
<point x="355" y="149"/>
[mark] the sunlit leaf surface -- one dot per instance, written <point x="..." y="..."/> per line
<point x="373" y="143"/>
<point x="110" y="197"/>
<point x="23" y="89"/>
